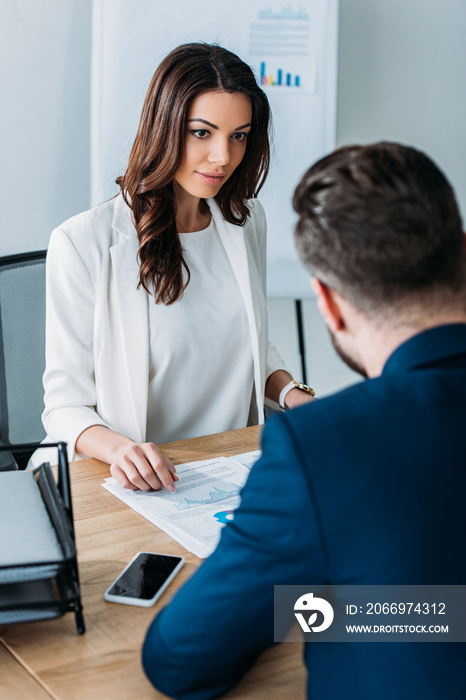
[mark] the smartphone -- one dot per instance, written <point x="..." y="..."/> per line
<point x="144" y="580"/>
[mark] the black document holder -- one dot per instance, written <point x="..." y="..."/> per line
<point x="44" y="590"/>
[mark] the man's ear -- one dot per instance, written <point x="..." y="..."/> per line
<point x="328" y="305"/>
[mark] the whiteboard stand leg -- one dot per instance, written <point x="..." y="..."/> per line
<point x="302" y="348"/>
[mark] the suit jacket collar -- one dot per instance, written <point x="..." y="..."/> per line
<point x="133" y="311"/>
<point x="233" y="240"/>
<point x="442" y="344"/>
<point x="123" y="218"/>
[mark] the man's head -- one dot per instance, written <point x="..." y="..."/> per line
<point x="379" y="225"/>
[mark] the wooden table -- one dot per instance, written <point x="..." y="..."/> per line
<point x="49" y="659"/>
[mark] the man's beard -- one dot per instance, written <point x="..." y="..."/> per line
<point x="347" y="359"/>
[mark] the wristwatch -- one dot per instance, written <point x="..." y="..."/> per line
<point x="293" y="385"/>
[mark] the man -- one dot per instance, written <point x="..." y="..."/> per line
<point x="366" y="486"/>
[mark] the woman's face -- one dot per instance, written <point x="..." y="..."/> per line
<point x="217" y="128"/>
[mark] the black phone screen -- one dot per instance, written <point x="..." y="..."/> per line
<point x="146" y="574"/>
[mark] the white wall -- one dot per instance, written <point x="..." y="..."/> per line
<point x="44" y="119"/>
<point x="402" y="68"/>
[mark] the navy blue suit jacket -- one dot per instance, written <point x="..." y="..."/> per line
<point x="364" y="487"/>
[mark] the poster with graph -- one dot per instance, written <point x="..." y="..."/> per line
<point x="292" y="48"/>
<point x="283" y="47"/>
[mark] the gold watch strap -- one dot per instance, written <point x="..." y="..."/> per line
<point x="304" y="387"/>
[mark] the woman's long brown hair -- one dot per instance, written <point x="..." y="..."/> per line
<point x="157" y="152"/>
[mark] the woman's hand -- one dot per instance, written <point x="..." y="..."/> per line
<point x="134" y="465"/>
<point x="143" y="466"/>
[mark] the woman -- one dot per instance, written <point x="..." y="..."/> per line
<point x="156" y="312"/>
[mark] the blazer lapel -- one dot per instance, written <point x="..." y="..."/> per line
<point x="131" y="311"/>
<point x="232" y="238"/>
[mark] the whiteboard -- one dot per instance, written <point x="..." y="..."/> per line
<point x="292" y="48"/>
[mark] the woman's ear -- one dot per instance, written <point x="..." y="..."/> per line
<point x="328" y="305"/>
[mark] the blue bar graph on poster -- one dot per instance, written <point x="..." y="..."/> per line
<point x="269" y="79"/>
<point x="262" y="73"/>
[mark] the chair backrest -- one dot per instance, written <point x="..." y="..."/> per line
<point x="22" y="347"/>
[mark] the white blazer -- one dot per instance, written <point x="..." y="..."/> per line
<point x="97" y="329"/>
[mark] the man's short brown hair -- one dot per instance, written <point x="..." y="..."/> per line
<point x="380" y="224"/>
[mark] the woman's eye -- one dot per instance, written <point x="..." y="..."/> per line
<point x="200" y="133"/>
<point x="240" y="136"/>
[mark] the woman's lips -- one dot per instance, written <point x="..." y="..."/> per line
<point x="211" y="178"/>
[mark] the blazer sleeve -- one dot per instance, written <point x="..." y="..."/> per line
<point x="70" y="391"/>
<point x="219" y="622"/>
<point x="274" y="360"/>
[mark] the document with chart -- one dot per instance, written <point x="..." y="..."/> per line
<point x="204" y="500"/>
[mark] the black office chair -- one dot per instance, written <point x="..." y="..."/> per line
<point x="22" y="352"/>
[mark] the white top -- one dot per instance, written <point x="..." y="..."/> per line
<point x="97" y="337"/>
<point x="201" y="371"/>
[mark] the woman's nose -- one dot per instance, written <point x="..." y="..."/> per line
<point x="220" y="152"/>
